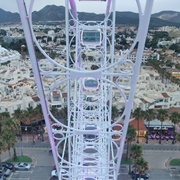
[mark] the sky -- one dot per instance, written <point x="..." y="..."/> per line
<point x="121" y="5"/>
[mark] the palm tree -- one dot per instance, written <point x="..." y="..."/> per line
<point x="39" y="111"/>
<point x="175" y="119"/>
<point x="63" y="115"/>
<point x="131" y="134"/>
<point x="10" y="139"/>
<point x="141" y="166"/>
<point x="2" y="146"/>
<point x="54" y="111"/>
<point x="121" y="110"/>
<point x="31" y="113"/>
<point x="83" y="56"/>
<point x="149" y="115"/>
<point x="162" y="115"/>
<point x="4" y="115"/>
<point x="178" y="137"/>
<point x="138" y="114"/>
<point x="17" y="115"/>
<point x="63" y="112"/>
<point x="9" y="124"/>
<point x="9" y="129"/>
<point x="115" y="112"/>
<point x="135" y="152"/>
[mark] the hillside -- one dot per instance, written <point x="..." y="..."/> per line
<point x="8" y="17"/>
<point x="53" y="13"/>
<point x="172" y="16"/>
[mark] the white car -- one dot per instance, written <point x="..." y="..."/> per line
<point x="5" y="171"/>
<point x="54" y="172"/>
<point x="22" y="166"/>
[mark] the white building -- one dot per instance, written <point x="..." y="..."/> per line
<point x="147" y="54"/>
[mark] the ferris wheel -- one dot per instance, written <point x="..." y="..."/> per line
<point x="88" y="144"/>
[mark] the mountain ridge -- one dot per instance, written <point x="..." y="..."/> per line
<point x="57" y="13"/>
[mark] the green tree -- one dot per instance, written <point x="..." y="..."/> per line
<point x="162" y="115"/>
<point x="54" y="111"/>
<point x="135" y="153"/>
<point x="63" y="112"/>
<point x="175" y="47"/>
<point x="29" y="115"/>
<point x="138" y="114"/>
<point x="10" y="138"/>
<point x="3" y="146"/>
<point x="141" y="166"/>
<point x="17" y="115"/>
<point x="2" y="32"/>
<point x="4" y="115"/>
<point x="175" y="119"/>
<point x="149" y="116"/>
<point x="130" y="137"/>
<point x="9" y="129"/>
<point x="131" y="134"/>
<point x="178" y="137"/>
<point x="121" y="110"/>
<point x="38" y="110"/>
<point x="115" y="112"/>
<point x="94" y="67"/>
<point x="63" y="115"/>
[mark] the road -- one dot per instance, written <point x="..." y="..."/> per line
<point x="158" y="159"/>
<point x="43" y="162"/>
<point x="162" y="147"/>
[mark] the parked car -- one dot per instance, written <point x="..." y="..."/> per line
<point x="22" y="166"/>
<point x="6" y="172"/>
<point x="2" y="177"/>
<point x="7" y="165"/>
<point x="144" y="176"/>
<point x="54" y="172"/>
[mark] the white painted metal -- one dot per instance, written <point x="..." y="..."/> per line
<point x="83" y="152"/>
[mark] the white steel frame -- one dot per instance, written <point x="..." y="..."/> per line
<point x="99" y="159"/>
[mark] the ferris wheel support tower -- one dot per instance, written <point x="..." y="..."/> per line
<point x="94" y="147"/>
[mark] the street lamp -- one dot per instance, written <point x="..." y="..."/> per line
<point x="42" y="131"/>
<point x="26" y="134"/>
<point x="33" y="131"/>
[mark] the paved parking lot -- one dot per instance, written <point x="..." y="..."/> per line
<point x="35" y="173"/>
<point x="43" y="165"/>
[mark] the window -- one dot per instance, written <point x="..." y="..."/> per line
<point x="56" y="98"/>
<point x="19" y="106"/>
<point x="91" y="37"/>
<point x="30" y="104"/>
<point x="65" y="100"/>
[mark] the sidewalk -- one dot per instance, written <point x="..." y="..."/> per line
<point x="29" y="138"/>
<point x="5" y="156"/>
<point x="156" y="142"/>
<point x="27" y="141"/>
